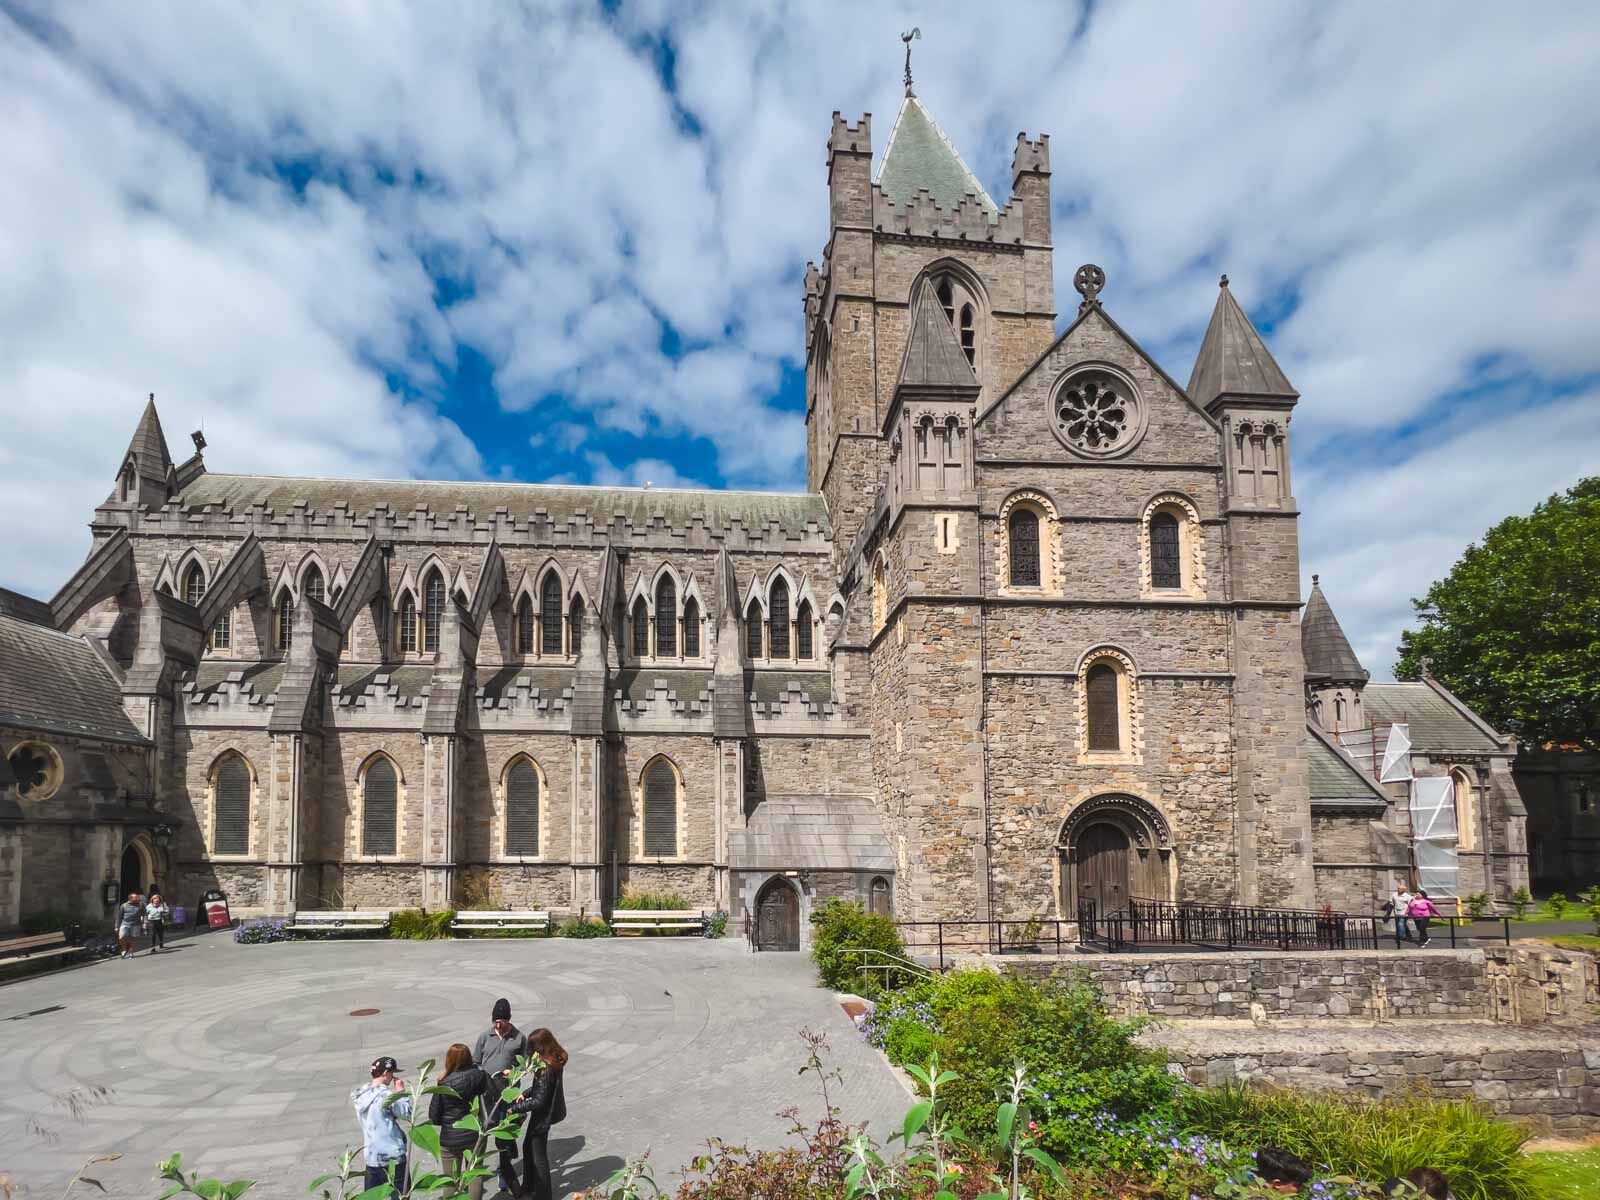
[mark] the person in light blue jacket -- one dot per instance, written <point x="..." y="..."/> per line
<point x="384" y="1140"/>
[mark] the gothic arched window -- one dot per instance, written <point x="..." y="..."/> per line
<point x="1466" y="810"/>
<point x="432" y="611"/>
<point x="408" y="625"/>
<point x="641" y="629"/>
<point x="660" y="810"/>
<point x="284" y="621"/>
<point x="522" y="810"/>
<point x="803" y="632"/>
<point x="752" y="630"/>
<point x="525" y="626"/>
<point x="1104" y="707"/>
<point x="1166" y="554"/>
<point x="379" y="808"/>
<point x="691" y="628"/>
<point x="194" y="585"/>
<point x="550" y="614"/>
<point x="575" y="623"/>
<point x="666" y="618"/>
<point x="1024" y="536"/>
<point x="778" y="620"/>
<point x="313" y="584"/>
<point x="969" y="344"/>
<point x="230" y="810"/>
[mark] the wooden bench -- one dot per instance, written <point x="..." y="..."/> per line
<point x="663" y="920"/>
<point x="473" y="921"/>
<point x="354" y="920"/>
<point x="39" y="945"/>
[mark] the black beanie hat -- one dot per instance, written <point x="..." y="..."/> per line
<point x="502" y="1010"/>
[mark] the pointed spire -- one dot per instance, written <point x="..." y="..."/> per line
<point x="933" y="356"/>
<point x="731" y="648"/>
<point x="1323" y="644"/>
<point x="148" y="448"/>
<point x="1233" y="360"/>
<point x="921" y="158"/>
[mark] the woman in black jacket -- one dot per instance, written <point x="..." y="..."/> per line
<point x="468" y="1082"/>
<point x="545" y="1103"/>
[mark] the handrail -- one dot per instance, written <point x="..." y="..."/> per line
<point x="893" y="962"/>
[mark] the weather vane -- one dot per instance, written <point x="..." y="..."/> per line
<point x="916" y="32"/>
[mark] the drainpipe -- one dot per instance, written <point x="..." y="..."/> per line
<point x="983" y="683"/>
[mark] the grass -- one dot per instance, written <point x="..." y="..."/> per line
<point x="647" y="900"/>
<point x="1576" y="941"/>
<point x="1570" y="1175"/>
<point x="1480" y="1155"/>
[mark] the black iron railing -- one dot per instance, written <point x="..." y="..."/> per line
<point x="1149" y="924"/>
<point x="935" y="940"/>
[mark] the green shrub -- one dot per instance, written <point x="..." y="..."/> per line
<point x="1478" y="904"/>
<point x="1557" y="904"/>
<point x="1480" y="1156"/>
<point x="840" y="928"/>
<point x="643" y="898"/>
<point x="1520" y="900"/>
<point x="50" y="920"/>
<point x="416" y="925"/>
<point x="583" y="927"/>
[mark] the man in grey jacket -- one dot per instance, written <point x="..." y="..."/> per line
<point x="496" y="1053"/>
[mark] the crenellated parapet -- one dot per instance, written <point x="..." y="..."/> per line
<point x="967" y="221"/>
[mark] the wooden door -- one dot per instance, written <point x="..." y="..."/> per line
<point x="1102" y="868"/>
<point x="778" y="917"/>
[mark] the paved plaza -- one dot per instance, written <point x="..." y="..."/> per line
<point x="243" y="1057"/>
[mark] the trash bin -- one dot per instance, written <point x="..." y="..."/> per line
<point x="180" y="916"/>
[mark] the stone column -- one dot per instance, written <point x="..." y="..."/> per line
<point x="438" y="821"/>
<point x="589" y="844"/>
<point x="284" y="826"/>
<point x="730" y="811"/>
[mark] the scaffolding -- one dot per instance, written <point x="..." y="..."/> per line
<point x="1384" y="753"/>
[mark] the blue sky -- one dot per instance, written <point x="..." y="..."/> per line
<point x="565" y="241"/>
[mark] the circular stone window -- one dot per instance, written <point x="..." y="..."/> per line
<point x="1097" y="413"/>
<point x="37" y="769"/>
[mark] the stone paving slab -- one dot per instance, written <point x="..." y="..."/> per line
<point x="243" y="1057"/>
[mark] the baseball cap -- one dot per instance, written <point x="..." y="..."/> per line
<point x="384" y="1063"/>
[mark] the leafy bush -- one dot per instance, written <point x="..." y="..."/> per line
<point x="481" y="892"/>
<point x="1520" y="900"/>
<point x="1478" y="904"/>
<point x="1557" y="904"/>
<point x="1591" y="904"/>
<point x="417" y="925"/>
<point x="644" y="898"/>
<point x="1480" y="1156"/>
<point x="583" y="927"/>
<point x="717" y="924"/>
<point x="259" y="933"/>
<point x="842" y="927"/>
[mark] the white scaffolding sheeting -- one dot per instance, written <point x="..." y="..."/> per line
<point x="1358" y="744"/>
<point x="1433" y="824"/>
<point x="1396" y="755"/>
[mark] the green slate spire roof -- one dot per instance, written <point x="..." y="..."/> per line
<point x="920" y="157"/>
<point x="1233" y="359"/>
<point x="933" y="356"/>
<point x="1326" y="649"/>
<point x="149" y="446"/>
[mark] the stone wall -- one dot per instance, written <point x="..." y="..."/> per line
<point x="1533" y="983"/>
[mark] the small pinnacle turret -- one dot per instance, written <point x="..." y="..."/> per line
<point x="1234" y="360"/>
<point x="146" y="475"/>
<point x="1328" y="654"/>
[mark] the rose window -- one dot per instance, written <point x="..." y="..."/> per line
<point x="1096" y="414"/>
<point x="36" y="769"/>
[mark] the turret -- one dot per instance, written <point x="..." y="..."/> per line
<point x="1030" y="187"/>
<point x="1334" y="675"/>
<point x="146" y="475"/>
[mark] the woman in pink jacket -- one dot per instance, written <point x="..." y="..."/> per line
<point x="1421" y="912"/>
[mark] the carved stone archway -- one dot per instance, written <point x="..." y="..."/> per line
<point x="1103" y="827"/>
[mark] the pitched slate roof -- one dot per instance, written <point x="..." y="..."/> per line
<point x="1436" y="724"/>
<point x="810" y="832"/>
<point x="1334" y="775"/>
<point x="1327" y="651"/>
<point x="149" y="445"/>
<point x="793" y="511"/>
<point x="1233" y="360"/>
<point x="921" y="158"/>
<point x="56" y="682"/>
<point x="933" y="356"/>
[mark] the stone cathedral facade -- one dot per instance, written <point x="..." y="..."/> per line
<point x="1032" y="636"/>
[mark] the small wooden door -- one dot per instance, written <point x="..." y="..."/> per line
<point x="1102" y="868"/>
<point x="778" y="917"/>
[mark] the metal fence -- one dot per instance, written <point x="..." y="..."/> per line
<point x="1031" y="935"/>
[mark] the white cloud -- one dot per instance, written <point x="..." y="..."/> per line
<point x="1420" y="182"/>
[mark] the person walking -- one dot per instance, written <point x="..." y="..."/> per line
<point x="383" y="1141"/>
<point x="468" y="1083"/>
<point x="496" y="1053"/>
<point x="130" y="914"/>
<point x="545" y="1104"/>
<point x="1400" y="904"/>
<point x="156" y="915"/>
<point x="1422" y="911"/>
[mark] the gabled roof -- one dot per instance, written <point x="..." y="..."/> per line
<point x="933" y="356"/>
<point x="1233" y="359"/>
<point x="149" y="445"/>
<point x="921" y="158"/>
<point x="1326" y="649"/>
<point x="1437" y="725"/>
<point x="1335" y="777"/>
<point x="54" y="682"/>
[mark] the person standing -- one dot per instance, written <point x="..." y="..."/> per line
<point x="1422" y="912"/>
<point x="1400" y="902"/>
<point x="545" y="1104"/>
<point x="156" y="915"/>
<point x="468" y="1083"/>
<point x="383" y="1141"/>
<point x="130" y="914"/>
<point x="496" y="1053"/>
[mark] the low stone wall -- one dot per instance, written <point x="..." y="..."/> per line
<point x="1532" y="983"/>
<point x="1380" y="984"/>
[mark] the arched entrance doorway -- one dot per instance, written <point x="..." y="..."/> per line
<point x="133" y="876"/>
<point x="778" y="916"/>
<point x="1101" y="858"/>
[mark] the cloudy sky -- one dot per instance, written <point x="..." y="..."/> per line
<point x="566" y="241"/>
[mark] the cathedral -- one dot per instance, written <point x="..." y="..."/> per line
<point x="1033" y="637"/>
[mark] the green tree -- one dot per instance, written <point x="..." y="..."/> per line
<point x="1514" y="629"/>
